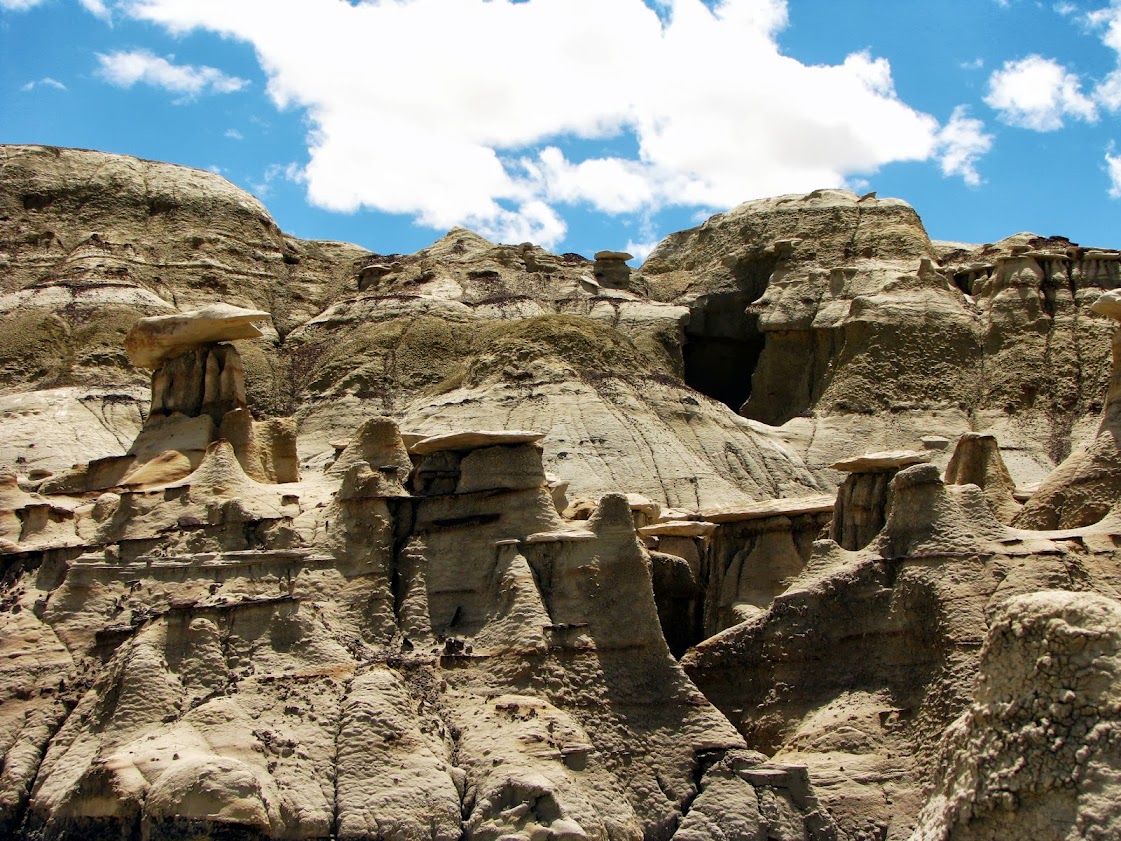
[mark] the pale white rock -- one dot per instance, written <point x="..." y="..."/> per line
<point x="473" y="440"/>
<point x="679" y="528"/>
<point x="817" y="504"/>
<point x="157" y="338"/>
<point x="1108" y="304"/>
<point x="880" y="462"/>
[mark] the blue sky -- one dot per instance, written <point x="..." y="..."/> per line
<point x="589" y="124"/>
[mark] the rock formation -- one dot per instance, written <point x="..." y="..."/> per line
<point x="1035" y="755"/>
<point x="303" y="542"/>
<point x="977" y="461"/>
<point x="1085" y="486"/>
<point x="862" y="499"/>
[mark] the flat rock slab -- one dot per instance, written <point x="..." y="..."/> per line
<point x="161" y="337"/>
<point x="679" y="528"/>
<point x="473" y="440"/>
<point x="820" y="504"/>
<point x="560" y="537"/>
<point x="881" y="462"/>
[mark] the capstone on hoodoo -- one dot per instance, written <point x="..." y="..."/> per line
<point x="198" y="398"/>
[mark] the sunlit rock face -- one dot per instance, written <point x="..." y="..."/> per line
<point x="805" y="529"/>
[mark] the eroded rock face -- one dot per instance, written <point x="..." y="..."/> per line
<point x="843" y="309"/>
<point x="1085" y="486"/>
<point x="1035" y="755"/>
<point x="455" y="662"/>
<point x="580" y="597"/>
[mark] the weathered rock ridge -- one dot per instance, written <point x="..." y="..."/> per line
<point x="808" y="528"/>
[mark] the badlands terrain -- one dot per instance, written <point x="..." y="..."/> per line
<point x="808" y="528"/>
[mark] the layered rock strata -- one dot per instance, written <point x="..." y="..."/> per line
<point x="209" y="631"/>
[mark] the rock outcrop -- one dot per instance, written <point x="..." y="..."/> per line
<point x="488" y="543"/>
<point x="862" y="499"/>
<point x="1036" y="754"/>
<point x="823" y="312"/>
<point x="1086" y="485"/>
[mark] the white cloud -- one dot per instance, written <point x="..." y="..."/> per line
<point x="640" y="250"/>
<point x="45" y="82"/>
<point x="1107" y="92"/>
<point x="1113" y="168"/>
<point x="127" y="68"/>
<point x="612" y="185"/>
<point x="1038" y="93"/>
<point x="96" y="8"/>
<point x="234" y="134"/>
<point x="411" y="117"/>
<point x="961" y="143"/>
<point x="291" y="171"/>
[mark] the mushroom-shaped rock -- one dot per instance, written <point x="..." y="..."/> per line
<point x="611" y="269"/>
<point x="861" y="508"/>
<point x="370" y="275"/>
<point x="644" y="510"/>
<point x="927" y="518"/>
<point x="161" y="337"/>
<point x="680" y="528"/>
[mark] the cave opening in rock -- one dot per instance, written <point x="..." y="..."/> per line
<point x="722" y="347"/>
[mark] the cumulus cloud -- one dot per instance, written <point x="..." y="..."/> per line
<point x="961" y="144"/>
<point x="19" y="5"/>
<point x="1038" y="93"/>
<point x="452" y="110"/>
<point x="126" y="68"/>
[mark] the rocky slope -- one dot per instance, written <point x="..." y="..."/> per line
<point x="486" y="542"/>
